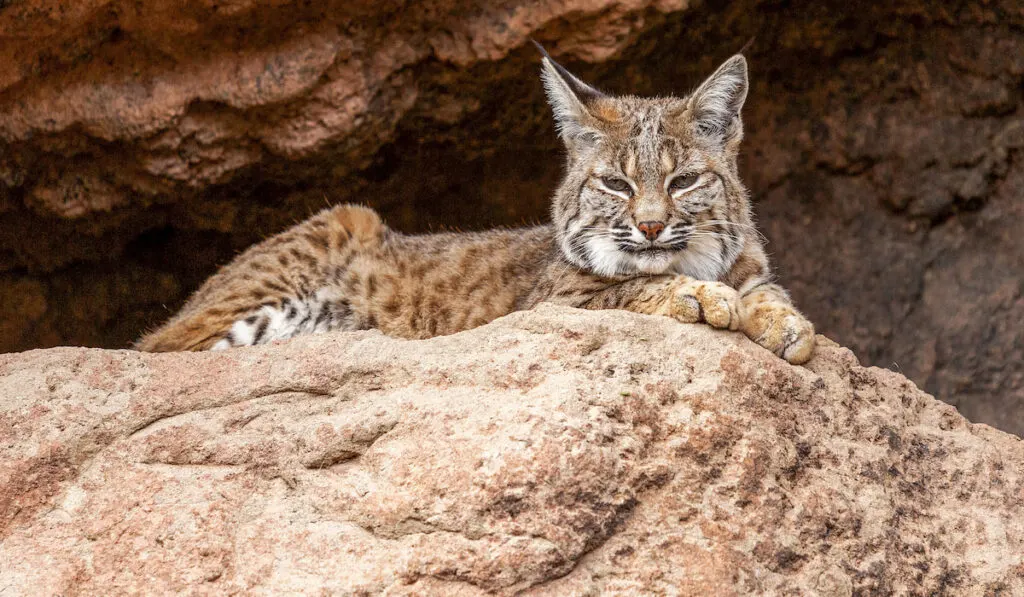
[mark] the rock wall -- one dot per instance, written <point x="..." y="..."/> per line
<point x="552" y="452"/>
<point x="143" y="144"/>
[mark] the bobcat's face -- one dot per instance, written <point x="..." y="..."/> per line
<point x="651" y="184"/>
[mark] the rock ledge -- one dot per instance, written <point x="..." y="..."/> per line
<point x="551" y="452"/>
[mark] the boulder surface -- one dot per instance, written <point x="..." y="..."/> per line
<point x="550" y="452"/>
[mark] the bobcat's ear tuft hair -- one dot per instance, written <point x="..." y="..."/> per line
<point x="568" y="96"/>
<point x="717" y="102"/>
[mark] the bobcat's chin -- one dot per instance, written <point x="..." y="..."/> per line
<point x="605" y="258"/>
<point x="653" y="261"/>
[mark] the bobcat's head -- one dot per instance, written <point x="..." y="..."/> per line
<point x="651" y="185"/>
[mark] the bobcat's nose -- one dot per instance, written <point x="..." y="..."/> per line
<point x="651" y="229"/>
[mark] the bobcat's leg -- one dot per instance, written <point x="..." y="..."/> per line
<point x="769" y="318"/>
<point x="762" y="310"/>
<point x="282" y="287"/>
<point x="679" y="297"/>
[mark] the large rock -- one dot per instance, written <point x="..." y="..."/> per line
<point x="551" y="452"/>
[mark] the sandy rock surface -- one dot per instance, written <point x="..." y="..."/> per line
<point x="551" y="452"/>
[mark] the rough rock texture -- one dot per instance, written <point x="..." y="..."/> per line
<point x="553" y="452"/>
<point x="144" y="143"/>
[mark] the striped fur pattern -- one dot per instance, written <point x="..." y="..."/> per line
<point x="650" y="216"/>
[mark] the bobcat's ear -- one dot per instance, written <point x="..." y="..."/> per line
<point x="569" y="98"/>
<point x="716" y="104"/>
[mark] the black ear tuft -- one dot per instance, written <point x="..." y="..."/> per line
<point x="568" y="96"/>
<point x="583" y="92"/>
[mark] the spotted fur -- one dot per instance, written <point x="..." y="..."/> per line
<point x="650" y="216"/>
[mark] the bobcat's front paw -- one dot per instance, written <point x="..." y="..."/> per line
<point x="781" y="329"/>
<point x="714" y="303"/>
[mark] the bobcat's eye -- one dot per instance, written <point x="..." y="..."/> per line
<point x="618" y="185"/>
<point x="683" y="183"/>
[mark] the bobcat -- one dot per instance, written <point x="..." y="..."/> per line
<point x="650" y="217"/>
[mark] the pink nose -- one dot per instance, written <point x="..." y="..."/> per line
<point x="651" y="229"/>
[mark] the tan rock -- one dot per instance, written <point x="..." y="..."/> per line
<point x="552" y="452"/>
